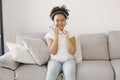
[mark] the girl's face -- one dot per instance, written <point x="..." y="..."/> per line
<point x="59" y="21"/>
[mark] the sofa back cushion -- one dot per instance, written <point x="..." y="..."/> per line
<point x="114" y="44"/>
<point x="20" y="37"/>
<point x="94" y="46"/>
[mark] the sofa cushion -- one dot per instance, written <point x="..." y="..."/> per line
<point x="38" y="49"/>
<point x="95" y="70"/>
<point x="94" y="46"/>
<point x="20" y="53"/>
<point x="116" y="67"/>
<point x="6" y="74"/>
<point x="7" y="61"/>
<point x="114" y="44"/>
<point x="32" y="72"/>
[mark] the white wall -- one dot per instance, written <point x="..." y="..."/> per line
<point x="86" y="16"/>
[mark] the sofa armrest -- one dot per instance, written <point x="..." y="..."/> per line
<point x="6" y="74"/>
<point x="7" y="61"/>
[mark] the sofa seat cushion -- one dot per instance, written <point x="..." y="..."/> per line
<point x="95" y="70"/>
<point x="32" y="72"/>
<point x="116" y="67"/>
<point x="6" y="74"/>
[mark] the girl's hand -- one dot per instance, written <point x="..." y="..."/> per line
<point x="65" y="32"/>
<point x="56" y="30"/>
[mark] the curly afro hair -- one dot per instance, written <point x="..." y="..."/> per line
<point x="59" y="10"/>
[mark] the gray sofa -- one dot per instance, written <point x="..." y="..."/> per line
<point x="101" y="60"/>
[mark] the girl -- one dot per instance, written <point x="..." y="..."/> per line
<point x="62" y="46"/>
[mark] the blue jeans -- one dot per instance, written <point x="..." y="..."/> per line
<point x="55" y="67"/>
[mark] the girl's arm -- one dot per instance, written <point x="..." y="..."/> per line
<point x="71" y="43"/>
<point x="53" y="43"/>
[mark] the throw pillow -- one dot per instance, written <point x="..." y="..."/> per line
<point x="38" y="50"/>
<point x="20" y="53"/>
<point x="7" y="61"/>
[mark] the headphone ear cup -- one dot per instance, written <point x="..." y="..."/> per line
<point x="67" y="17"/>
<point x="66" y="22"/>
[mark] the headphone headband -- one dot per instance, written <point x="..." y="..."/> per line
<point x="58" y="12"/>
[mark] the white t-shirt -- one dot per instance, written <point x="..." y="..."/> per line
<point x="62" y="54"/>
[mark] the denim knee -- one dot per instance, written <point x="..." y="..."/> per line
<point x="69" y="70"/>
<point x="53" y="70"/>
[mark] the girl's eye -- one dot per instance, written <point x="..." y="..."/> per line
<point x="57" y="20"/>
<point x="60" y="20"/>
